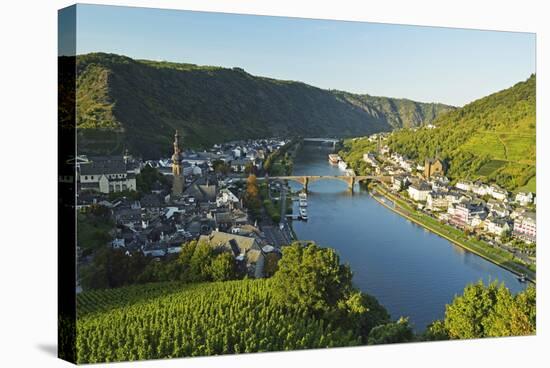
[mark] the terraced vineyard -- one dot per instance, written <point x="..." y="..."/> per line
<point x="156" y="321"/>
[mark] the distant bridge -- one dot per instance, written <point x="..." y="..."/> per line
<point x="305" y="180"/>
<point x="332" y="141"/>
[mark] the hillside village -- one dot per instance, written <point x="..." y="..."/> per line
<point x="486" y="210"/>
<point x="155" y="206"/>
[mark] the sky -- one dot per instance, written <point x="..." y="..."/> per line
<point x="428" y="64"/>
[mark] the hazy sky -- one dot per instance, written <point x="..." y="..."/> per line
<point x="430" y="64"/>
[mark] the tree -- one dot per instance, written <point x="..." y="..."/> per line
<point x="436" y="331"/>
<point x="393" y="332"/>
<point x="252" y="195"/>
<point x="252" y="189"/>
<point x="249" y="168"/>
<point x="359" y="312"/>
<point x="221" y="167"/>
<point x="200" y="263"/>
<point x="311" y="277"/>
<point x="464" y="316"/>
<point x="271" y="264"/>
<point x="184" y="259"/>
<point x="147" y="177"/>
<point x="512" y="315"/>
<point x="505" y="236"/>
<point x="491" y="311"/>
<point x="223" y="267"/>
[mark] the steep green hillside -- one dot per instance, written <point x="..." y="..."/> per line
<point x="492" y="138"/>
<point x="138" y="104"/>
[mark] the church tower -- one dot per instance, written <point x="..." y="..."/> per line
<point x="176" y="157"/>
<point x="177" y="184"/>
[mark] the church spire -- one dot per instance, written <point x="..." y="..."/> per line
<point x="176" y="157"/>
<point x="176" y="143"/>
<point x="177" y="185"/>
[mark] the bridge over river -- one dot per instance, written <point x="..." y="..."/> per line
<point x="350" y="180"/>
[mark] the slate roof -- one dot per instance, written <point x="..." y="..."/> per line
<point x="104" y="166"/>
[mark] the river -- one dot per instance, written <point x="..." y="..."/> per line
<point x="411" y="271"/>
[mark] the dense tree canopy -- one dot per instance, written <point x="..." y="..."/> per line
<point x="311" y="277"/>
<point x="196" y="262"/>
<point x="392" y="332"/>
<point x="487" y="311"/>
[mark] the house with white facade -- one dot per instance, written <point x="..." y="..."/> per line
<point x="226" y="197"/>
<point x="108" y="174"/>
<point x="419" y="191"/>
<point x="497" y="226"/>
<point x="525" y="227"/>
<point x="437" y="201"/>
<point x="464" y="185"/>
<point x="524" y="198"/>
<point x="463" y="213"/>
<point x="498" y="193"/>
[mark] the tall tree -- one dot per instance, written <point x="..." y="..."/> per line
<point x="223" y="267"/>
<point x="311" y="277"/>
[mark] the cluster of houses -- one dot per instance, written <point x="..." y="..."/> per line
<point x="208" y="208"/>
<point x="238" y="155"/>
<point x="475" y="206"/>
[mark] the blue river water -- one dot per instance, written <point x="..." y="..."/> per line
<point x="411" y="271"/>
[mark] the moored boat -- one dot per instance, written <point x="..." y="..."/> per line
<point x="333" y="158"/>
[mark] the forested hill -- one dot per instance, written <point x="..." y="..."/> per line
<point x="492" y="138"/>
<point x="138" y="104"/>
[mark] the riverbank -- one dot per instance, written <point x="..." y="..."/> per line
<point x="281" y="162"/>
<point x="498" y="257"/>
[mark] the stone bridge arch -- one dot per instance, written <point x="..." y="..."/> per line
<point x="305" y="180"/>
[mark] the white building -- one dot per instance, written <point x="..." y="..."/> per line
<point x="436" y="201"/>
<point x="108" y="175"/>
<point x="498" y="193"/>
<point x="419" y="191"/>
<point x="226" y="197"/>
<point x="464" y="185"/>
<point x="524" y="198"/>
<point x="480" y="189"/>
<point x="525" y="227"/>
<point x="497" y="226"/>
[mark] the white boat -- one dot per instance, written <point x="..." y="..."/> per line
<point x="342" y="165"/>
<point x="303" y="213"/>
<point x="303" y="203"/>
<point x="302" y="195"/>
<point x="333" y="158"/>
